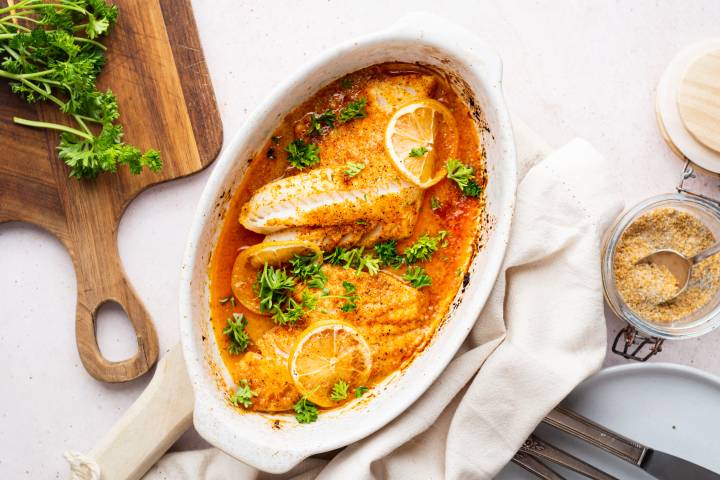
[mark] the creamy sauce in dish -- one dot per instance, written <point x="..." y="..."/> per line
<point x="334" y="265"/>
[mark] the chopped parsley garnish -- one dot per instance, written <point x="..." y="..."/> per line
<point x="435" y="203"/>
<point x="418" y="152"/>
<point x="424" y="247"/>
<point x="305" y="410"/>
<point x="352" y="168"/>
<point x="352" y="110"/>
<point x="272" y="287"/>
<point x="243" y="395"/>
<point x="463" y="175"/>
<point x="361" y="222"/>
<point x="354" y="258"/>
<point x="317" y="280"/>
<point x="339" y="391"/>
<point x="350" y="297"/>
<point x="388" y="255"/>
<point x="417" y="277"/>
<point x="305" y="267"/>
<point x="301" y="154"/>
<point x="239" y="339"/>
<point x="359" y="391"/>
<point x="346" y="83"/>
<point x="327" y="118"/>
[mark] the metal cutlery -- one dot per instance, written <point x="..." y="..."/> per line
<point x="661" y="465"/>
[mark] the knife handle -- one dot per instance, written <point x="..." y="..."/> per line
<point x="589" y="431"/>
<point x="536" y="467"/>
<point x="542" y="450"/>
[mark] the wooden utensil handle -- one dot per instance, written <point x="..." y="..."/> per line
<point x="151" y="425"/>
<point x="101" y="279"/>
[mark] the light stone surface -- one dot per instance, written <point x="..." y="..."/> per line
<point x="572" y="68"/>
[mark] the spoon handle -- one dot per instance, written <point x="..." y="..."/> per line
<point x="705" y="254"/>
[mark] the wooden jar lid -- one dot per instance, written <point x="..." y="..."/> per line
<point x="688" y="104"/>
<point x="699" y="100"/>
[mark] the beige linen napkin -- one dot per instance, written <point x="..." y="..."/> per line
<point x="541" y="332"/>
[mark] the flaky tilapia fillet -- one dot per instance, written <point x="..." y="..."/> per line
<point x="325" y="197"/>
<point x="326" y="206"/>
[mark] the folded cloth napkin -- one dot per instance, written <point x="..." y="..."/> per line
<point x="541" y="333"/>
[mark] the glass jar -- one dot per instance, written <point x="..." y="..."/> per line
<point x="694" y="324"/>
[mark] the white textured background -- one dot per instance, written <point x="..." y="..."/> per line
<point x="572" y="68"/>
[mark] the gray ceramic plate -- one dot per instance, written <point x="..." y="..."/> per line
<point x="667" y="407"/>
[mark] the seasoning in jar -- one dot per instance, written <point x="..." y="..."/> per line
<point x="645" y="287"/>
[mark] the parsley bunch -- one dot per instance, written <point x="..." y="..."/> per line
<point x="52" y="55"/>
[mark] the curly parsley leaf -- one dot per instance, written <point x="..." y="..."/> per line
<point x="339" y="391"/>
<point x="352" y="169"/>
<point x="327" y="119"/>
<point x="353" y="110"/>
<point x="302" y="155"/>
<point x="272" y="287"/>
<point x="417" y="277"/>
<point x="425" y="246"/>
<point x="418" y="152"/>
<point x="243" y="395"/>
<point x="305" y="410"/>
<point x="239" y="339"/>
<point x="388" y="254"/>
<point x="359" y="391"/>
<point x="463" y="175"/>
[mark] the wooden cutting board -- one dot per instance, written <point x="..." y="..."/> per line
<point x="157" y="70"/>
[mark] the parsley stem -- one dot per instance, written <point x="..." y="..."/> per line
<point x="42" y="92"/>
<point x="51" y="126"/>
<point x="82" y="124"/>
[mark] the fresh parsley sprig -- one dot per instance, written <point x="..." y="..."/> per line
<point x="302" y="155"/>
<point x="57" y="59"/>
<point x="305" y="410"/>
<point x="243" y="395"/>
<point x="354" y="258"/>
<point x="235" y="330"/>
<point x="339" y="391"/>
<point x="327" y="119"/>
<point x="417" y="277"/>
<point x="352" y="168"/>
<point x="418" y="152"/>
<point x="424" y="247"/>
<point x="359" y="391"/>
<point x="463" y="175"/>
<point x="353" y="110"/>
<point x="388" y="254"/>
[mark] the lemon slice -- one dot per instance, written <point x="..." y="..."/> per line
<point x="326" y="352"/>
<point x="252" y="259"/>
<point x="420" y="137"/>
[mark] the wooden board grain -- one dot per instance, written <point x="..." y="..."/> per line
<point x="157" y="70"/>
<point x="699" y="100"/>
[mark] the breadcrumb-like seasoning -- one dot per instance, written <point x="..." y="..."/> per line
<point x="644" y="287"/>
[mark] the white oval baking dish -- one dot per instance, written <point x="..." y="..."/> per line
<point x="476" y="72"/>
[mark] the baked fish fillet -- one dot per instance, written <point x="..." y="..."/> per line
<point x="326" y="197"/>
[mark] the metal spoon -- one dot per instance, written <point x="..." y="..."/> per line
<point x="678" y="264"/>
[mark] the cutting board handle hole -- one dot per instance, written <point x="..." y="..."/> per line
<point x="114" y="332"/>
